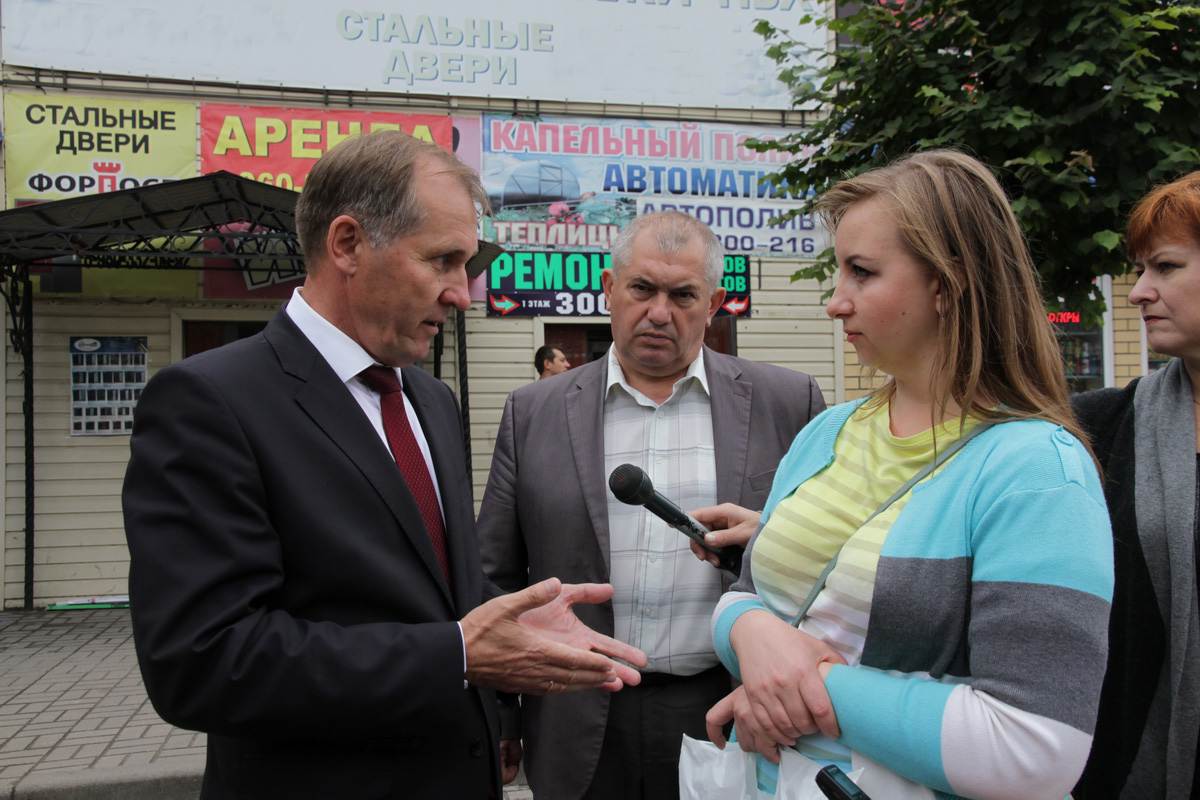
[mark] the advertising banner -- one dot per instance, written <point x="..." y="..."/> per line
<point x="279" y="146"/>
<point x="545" y="283"/>
<point x="573" y="183"/>
<point x="661" y="52"/>
<point x="58" y="146"/>
<point x="468" y="146"/>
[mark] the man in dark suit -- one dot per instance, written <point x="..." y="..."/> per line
<point x="305" y="578"/>
<point x="708" y="428"/>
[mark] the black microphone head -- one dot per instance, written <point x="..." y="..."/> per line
<point x="631" y="485"/>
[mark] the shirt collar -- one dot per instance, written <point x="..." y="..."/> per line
<point x="616" y="376"/>
<point x="346" y="356"/>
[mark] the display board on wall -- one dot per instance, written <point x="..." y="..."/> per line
<point x="667" y="52"/>
<point x="573" y="183"/>
<point x="557" y="283"/>
<point x="108" y="374"/>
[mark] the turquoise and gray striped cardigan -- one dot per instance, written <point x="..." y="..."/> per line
<point x="986" y="645"/>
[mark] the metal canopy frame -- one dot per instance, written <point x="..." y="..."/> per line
<point x="169" y="225"/>
<point x="217" y="221"/>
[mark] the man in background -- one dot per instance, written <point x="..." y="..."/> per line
<point x="707" y="428"/>
<point x="550" y="361"/>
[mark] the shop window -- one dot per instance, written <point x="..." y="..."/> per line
<point x="1082" y="350"/>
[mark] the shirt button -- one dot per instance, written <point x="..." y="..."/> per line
<point x="476" y="749"/>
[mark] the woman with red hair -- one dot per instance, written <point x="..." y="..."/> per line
<point x="1147" y="437"/>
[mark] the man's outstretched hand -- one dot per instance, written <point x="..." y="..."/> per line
<point x="531" y="642"/>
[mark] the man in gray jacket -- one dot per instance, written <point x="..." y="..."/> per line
<point x="707" y="428"/>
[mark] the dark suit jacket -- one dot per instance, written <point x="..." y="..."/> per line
<point x="545" y="513"/>
<point x="285" y="596"/>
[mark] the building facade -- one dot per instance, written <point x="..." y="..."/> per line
<point x="576" y="115"/>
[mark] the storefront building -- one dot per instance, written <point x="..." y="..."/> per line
<point x="575" y="114"/>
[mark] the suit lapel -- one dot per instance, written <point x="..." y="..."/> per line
<point x="585" y="427"/>
<point x="329" y="404"/>
<point x="449" y="462"/>
<point x="730" y="403"/>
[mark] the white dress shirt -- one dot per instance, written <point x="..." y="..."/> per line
<point x="348" y="359"/>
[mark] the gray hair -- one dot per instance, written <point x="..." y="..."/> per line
<point x="372" y="178"/>
<point x="673" y="231"/>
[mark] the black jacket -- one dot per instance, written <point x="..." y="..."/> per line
<point x="285" y="596"/>
<point x="1137" y="636"/>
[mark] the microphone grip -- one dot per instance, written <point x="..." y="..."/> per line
<point x="670" y="513"/>
<point x="730" y="558"/>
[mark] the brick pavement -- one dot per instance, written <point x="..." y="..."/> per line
<point x="74" y="718"/>
<point x="71" y="699"/>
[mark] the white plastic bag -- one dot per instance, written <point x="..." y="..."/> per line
<point x="707" y="773"/>
<point x="798" y="777"/>
<point x="882" y="784"/>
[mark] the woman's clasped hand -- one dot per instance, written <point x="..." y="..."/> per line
<point x="782" y="696"/>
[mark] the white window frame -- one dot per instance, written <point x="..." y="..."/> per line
<point x="1106" y="332"/>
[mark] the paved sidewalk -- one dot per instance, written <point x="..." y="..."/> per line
<point x="75" y="721"/>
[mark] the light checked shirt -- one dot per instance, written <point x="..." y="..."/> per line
<point x="663" y="595"/>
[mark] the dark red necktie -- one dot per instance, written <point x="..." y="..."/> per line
<point x="408" y="456"/>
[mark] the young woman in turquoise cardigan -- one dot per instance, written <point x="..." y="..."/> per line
<point x="928" y="591"/>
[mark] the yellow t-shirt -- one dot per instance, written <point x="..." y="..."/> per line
<point x="826" y="514"/>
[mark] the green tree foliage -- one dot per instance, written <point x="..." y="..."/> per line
<point x="1080" y="105"/>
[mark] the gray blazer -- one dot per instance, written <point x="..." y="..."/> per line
<point x="545" y="514"/>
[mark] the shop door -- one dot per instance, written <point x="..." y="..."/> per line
<point x="580" y="343"/>
<point x="205" y="334"/>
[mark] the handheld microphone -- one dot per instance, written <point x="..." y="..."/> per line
<point x="632" y="486"/>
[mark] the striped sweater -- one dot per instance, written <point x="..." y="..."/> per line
<point x="986" y="639"/>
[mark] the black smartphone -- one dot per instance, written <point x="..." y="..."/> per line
<point x="836" y="785"/>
